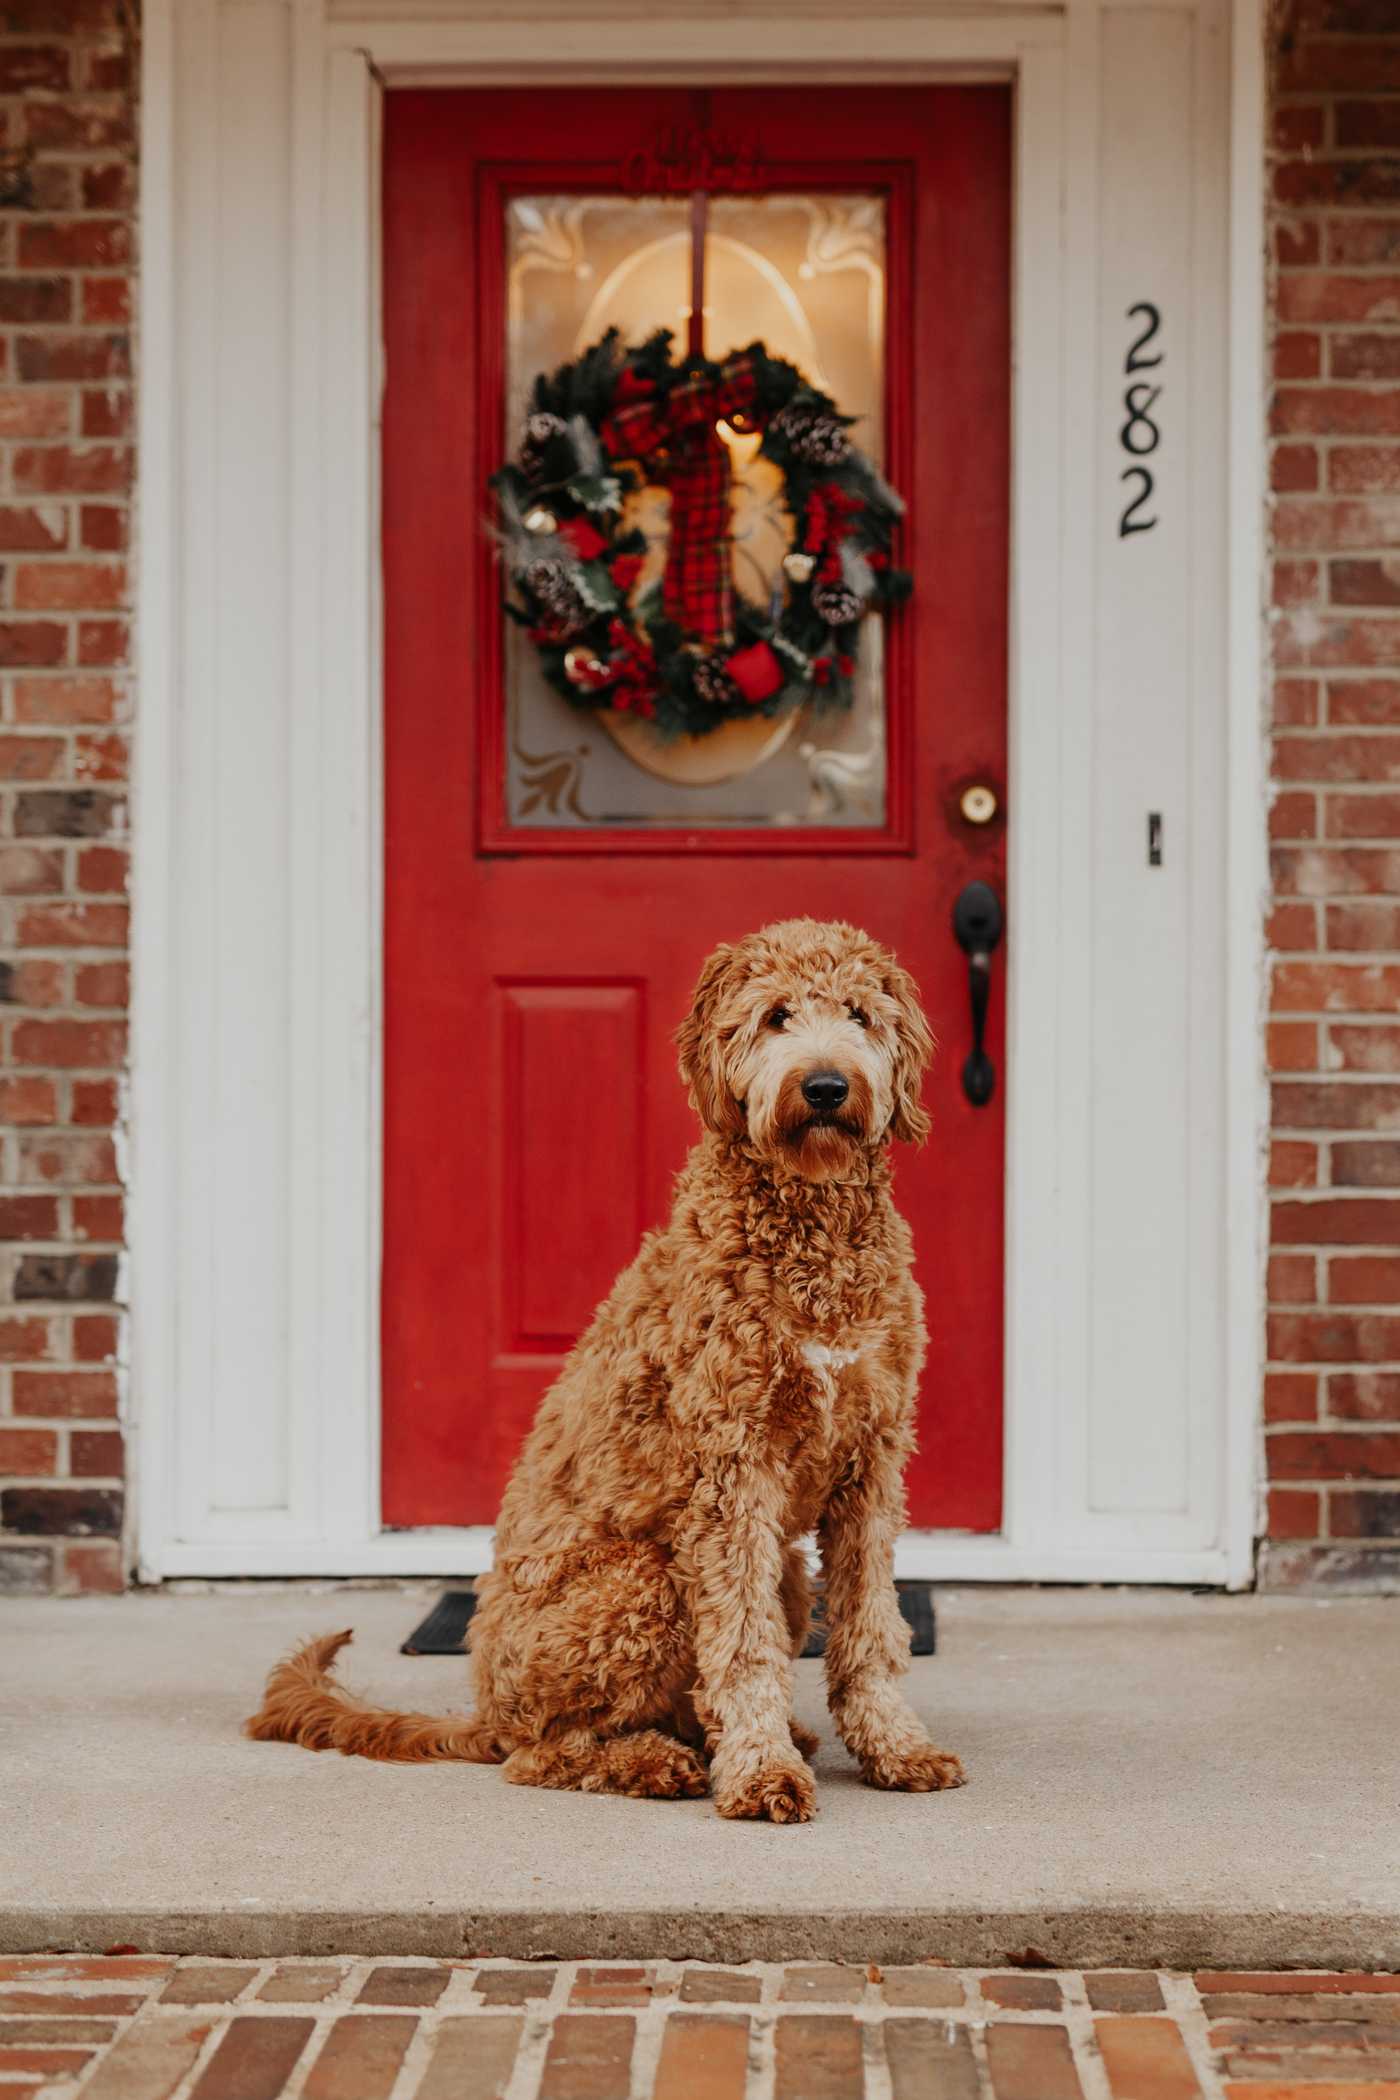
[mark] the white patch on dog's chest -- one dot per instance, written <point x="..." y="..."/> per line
<point x="822" y="1357"/>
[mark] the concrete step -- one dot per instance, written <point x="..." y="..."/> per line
<point x="1155" y="1778"/>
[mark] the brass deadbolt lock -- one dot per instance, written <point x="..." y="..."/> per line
<point x="978" y="804"/>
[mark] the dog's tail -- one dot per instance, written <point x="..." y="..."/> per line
<point x="303" y="1704"/>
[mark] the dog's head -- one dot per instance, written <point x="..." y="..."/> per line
<point x="809" y="1040"/>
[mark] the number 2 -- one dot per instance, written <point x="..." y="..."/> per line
<point x="1135" y="361"/>
<point x="1130" y="522"/>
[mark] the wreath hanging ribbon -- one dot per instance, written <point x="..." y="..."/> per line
<point x="690" y="652"/>
<point x="675" y="439"/>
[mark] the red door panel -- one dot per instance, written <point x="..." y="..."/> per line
<point x="533" y="1117"/>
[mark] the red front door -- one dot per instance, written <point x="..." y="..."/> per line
<point x="549" y="895"/>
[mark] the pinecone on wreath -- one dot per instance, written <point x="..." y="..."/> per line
<point x="541" y="430"/>
<point x="550" y="584"/>
<point x="713" y="683"/>
<point x="837" y="604"/>
<point x="820" y="440"/>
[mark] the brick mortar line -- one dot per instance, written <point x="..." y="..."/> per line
<point x="530" y="2051"/>
<point x="1184" y="2005"/>
<point x="646" y="2044"/>
<point x="1344" y="1191"/>
<point x="876" y="2077"/>
<point x="980" y="2057"/>
<point x="1083" y="2041"/>
<point x="762" y="2073"/>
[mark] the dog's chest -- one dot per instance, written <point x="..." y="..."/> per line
<point x="820" y="1407"/>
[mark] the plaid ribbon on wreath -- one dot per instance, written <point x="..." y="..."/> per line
<point x="675" y="439"/>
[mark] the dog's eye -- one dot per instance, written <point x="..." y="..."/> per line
<point x="778" y="1017"/>
<point x="860" y="1017"/>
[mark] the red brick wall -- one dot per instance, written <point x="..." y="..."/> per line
<point x="67" y="177"/>
<point x="1332" y="1399"/>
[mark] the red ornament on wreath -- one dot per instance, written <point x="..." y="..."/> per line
<point x="757" y="673"/>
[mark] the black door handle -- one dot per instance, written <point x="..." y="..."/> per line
<point x="977" y="923"/>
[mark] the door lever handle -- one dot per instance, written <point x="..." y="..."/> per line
<point x="977" y="926"/>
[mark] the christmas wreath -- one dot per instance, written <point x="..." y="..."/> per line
<point x="687" y="652"/>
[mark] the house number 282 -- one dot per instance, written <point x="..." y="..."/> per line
<point x="1139" y="435"/>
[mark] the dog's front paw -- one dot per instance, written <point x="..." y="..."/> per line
<point x="924" y="1770"/>
<point x="673" y="1773"/>
<point x="776" y="1788"/>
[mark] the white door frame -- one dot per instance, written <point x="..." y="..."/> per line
<point x="255" y="1088"/>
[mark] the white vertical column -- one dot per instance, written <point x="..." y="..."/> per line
<point x="235" y="783"/>
<point x="276" y="932"/>
<point x="1154" y="1372"/>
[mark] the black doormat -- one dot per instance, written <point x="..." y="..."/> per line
<point x="444" y="1630"/>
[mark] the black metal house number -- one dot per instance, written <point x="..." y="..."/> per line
<point x="1139" y="435"/>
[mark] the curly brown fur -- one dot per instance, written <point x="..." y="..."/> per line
<point x="303" y="1705"/>
<point x="750" y="1378"/>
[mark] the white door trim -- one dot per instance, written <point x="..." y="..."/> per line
<point x="256" y="1124"/>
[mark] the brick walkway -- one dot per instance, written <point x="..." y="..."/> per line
<point x="135" y="2027"/>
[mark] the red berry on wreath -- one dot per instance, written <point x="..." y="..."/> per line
<point x="585" y="670"/>
<point x="584" y="537"/>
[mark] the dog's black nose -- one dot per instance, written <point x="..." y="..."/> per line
<point x="824" y="1091"/>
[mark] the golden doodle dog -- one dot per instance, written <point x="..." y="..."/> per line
<point x="749" y="1380"/>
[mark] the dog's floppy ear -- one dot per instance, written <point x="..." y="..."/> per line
<point x="701" y="1061"/>
<point x="913" y="1050"/>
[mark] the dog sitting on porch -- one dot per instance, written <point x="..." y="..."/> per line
<point x="750" y="1379"/>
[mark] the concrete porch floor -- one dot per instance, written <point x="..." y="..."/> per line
<point x="1155" y="1780"/>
